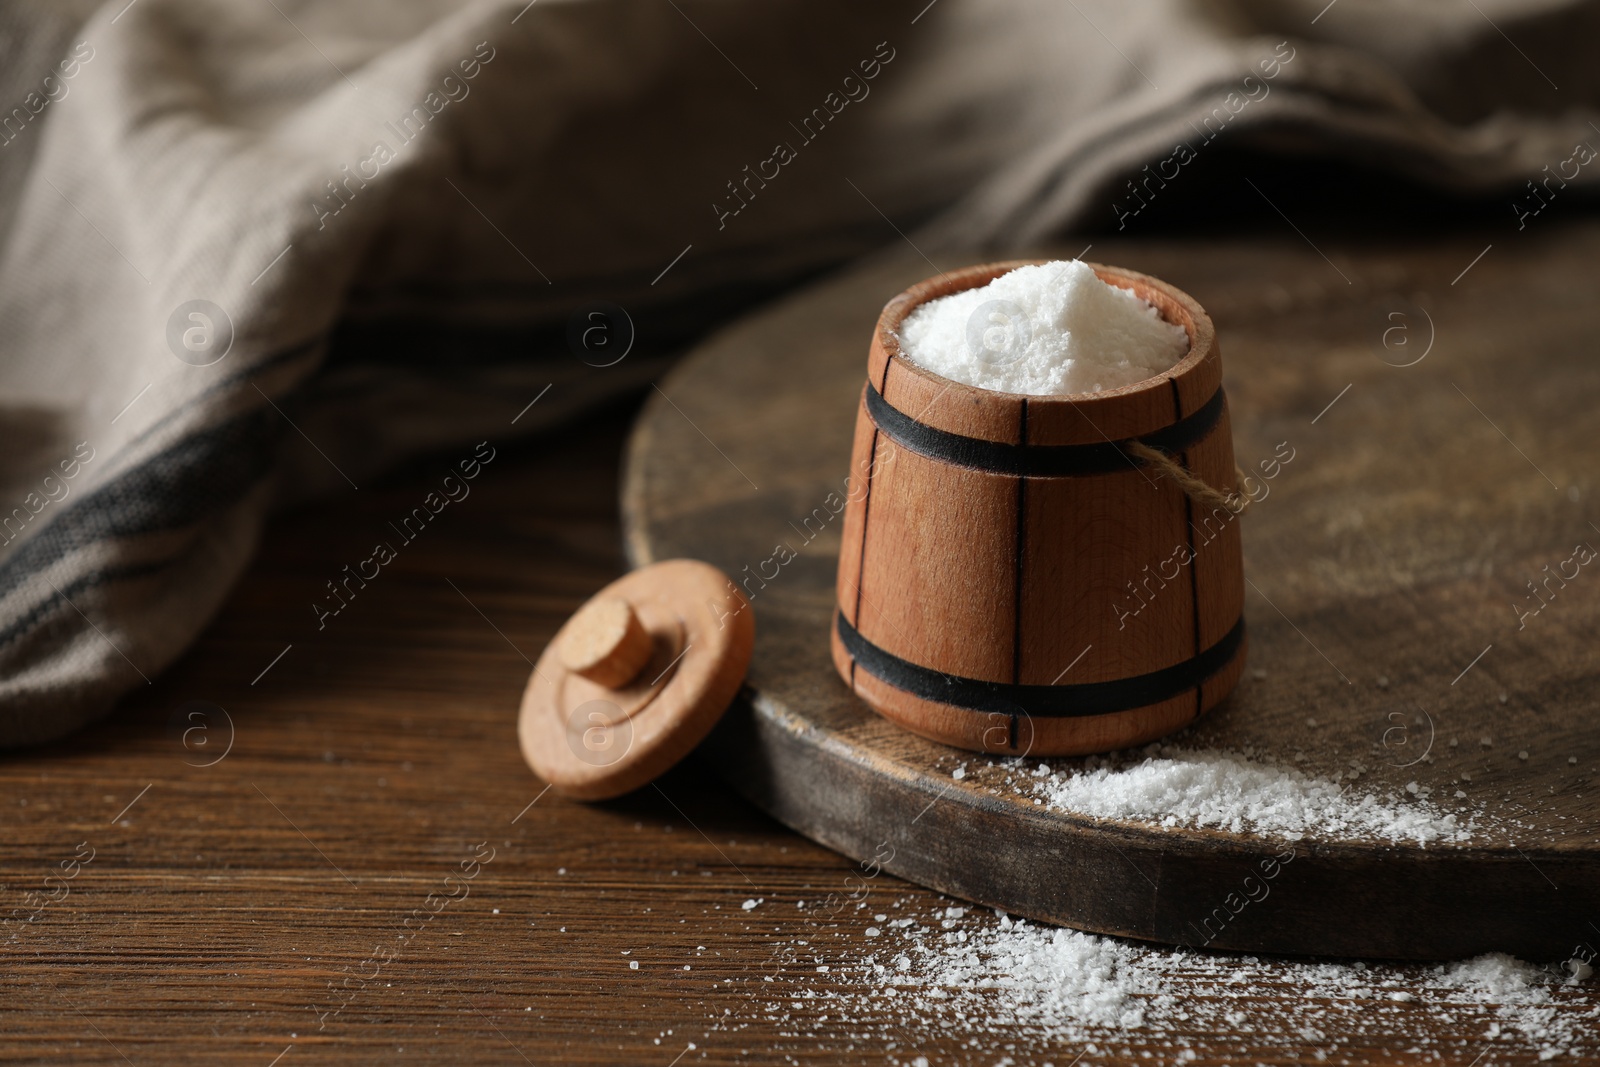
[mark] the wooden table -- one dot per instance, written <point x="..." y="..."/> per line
<point x="337" y="785"/>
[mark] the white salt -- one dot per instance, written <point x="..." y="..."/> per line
<point x="1043" y="330"/>
<point x="964" y="979"/>
<point x="1174" y="787"/>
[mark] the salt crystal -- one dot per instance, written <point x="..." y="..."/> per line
<point x="1044" y="330"/>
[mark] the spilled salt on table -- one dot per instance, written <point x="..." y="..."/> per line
<point x="1044" y="330"/>
<point x="953" y="976"/>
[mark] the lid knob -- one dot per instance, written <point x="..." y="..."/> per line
<point x="606" y="643"/>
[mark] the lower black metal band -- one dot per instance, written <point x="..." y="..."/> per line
<point x="1040" y="701"/>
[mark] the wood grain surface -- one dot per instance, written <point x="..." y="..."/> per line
<point x="1425" y="446"/>
<point x="378" y="755"/>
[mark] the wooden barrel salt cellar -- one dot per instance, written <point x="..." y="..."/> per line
<point x="1012" y="579"/>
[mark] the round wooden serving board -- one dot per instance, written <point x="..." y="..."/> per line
<point x="1443" y="438"/>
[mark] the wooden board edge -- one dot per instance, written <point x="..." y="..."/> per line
<point x="1083" y="874"/>
<point x="632" y="500"/>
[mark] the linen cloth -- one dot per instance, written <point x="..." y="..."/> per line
<point x="255" y="252"/>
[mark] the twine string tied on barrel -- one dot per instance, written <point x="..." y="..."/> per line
<point x="1197" y="490"/>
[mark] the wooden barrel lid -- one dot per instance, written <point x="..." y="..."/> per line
<point x="636" y="679"/>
